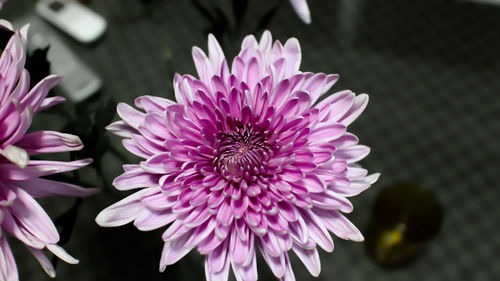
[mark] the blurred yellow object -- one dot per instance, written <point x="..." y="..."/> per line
<point x="405" y="217"/>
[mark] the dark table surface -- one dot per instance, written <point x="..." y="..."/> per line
<point x="432" y="71"/>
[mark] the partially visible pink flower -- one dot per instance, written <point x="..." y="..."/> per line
<point x="20" y="182"/>
<point x="302" y="10"/>
<point x="2" y="2"/>
<point x="246" y="159"/>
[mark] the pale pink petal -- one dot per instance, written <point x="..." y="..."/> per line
<point x="122" y="212"/>
<point x="44" y="261"/>
<point x="45" y="188"/>
<point x="357" y="108"/>
<point x="30" y="216"/>
<point x="49" y="142"/>
<point x="130" y="115"/>
<point x="122" y="129"/>
<point x="302" y="10"/>
<point x="174" y="251"/>
<point x="338" y="224"/>
<point x="310" y="258"/>
<point x="61" y="253"/>
<point x="8" y="269"/>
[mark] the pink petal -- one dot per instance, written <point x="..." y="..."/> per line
<point x="353" y="153"/>
<point x="317" y="231"/>
<point x="173" y="251"/>
<point x="289" y="276"/>
<point x="123" y="211"/>
<point x="152" y="103"/>
<point x="122" y="129"/>
<point x="357" y="108"/>
<point x="49" y="142"/>
<point x="131" y="116"/>
<point x="61" y="253"/>
<point x="45" y="188"/>
<point x="30" y="216"/>
<point x="8" y="269"/>
<point x="136" y="179"/>
<point x="302" y="10"/>
<point x="241" y="249"/>
<point x="338" y="224"/>
<point x="326" y="132"/>
<point x="49" y="102"/>
<point x="276" y="264"/>
<point x="248" y="272"/>
<point x="202" y="66"/>
<point x="292" y="55"/>
<point x="38" y="168"/>
<point x="44" y="261"/>
<point x="309" y="258"/>
<point x="36" y="96"/>
<point x="149" y="219"/>
<point x="217" y="258"/>
<point x="222" y="275"/>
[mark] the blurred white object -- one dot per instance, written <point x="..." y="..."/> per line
<point x="302" y="10"/>
<point x="492" y="2"/>
<point x="78" y="80"/>
<point x="75" y="19"/>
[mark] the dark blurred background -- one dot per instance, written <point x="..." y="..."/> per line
<point x="431" y="68"/>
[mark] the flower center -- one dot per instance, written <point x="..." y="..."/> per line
<point x="240" y="154"/>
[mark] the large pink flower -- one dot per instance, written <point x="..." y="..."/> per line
<point x="20" y="182"/>
<point x="245" y="159"/>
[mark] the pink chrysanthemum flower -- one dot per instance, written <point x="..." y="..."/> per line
<point x="245" y="159"/>
<point x="20" y="182"/>
<point x="302" y="10"/>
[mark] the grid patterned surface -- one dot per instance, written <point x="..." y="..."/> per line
<point x="431" y="69"/>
